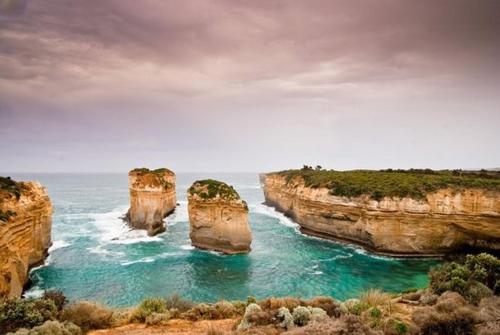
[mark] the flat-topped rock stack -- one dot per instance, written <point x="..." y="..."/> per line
<point x="152" y="198"/>
<point x="218" y="218"/>
<point x="25" y="227"/>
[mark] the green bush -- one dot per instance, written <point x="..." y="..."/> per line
<point x="11" y="186"/>
<point x="474" y="279"/>
<point x="149" y="306"/>
<point x="301" y="315"/>
<point x="400" y="327"/>
<point x="6" y="215"/>
<point x="358" y="308"/>
<point x="57" y="297"/>
<point x="177" y="302"/>
<point x="87" y="315"/>
<point x="25" y="313"/>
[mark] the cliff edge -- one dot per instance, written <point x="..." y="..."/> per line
<point x="218" y="218"/>
<point x="25" y="228"/>
<point x="152" y="198"/>
<point x="406" y="213"/>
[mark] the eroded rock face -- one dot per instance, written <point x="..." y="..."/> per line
<point x="218" y="218"/>
<point x="152" y="198"/>
<point x="25" y="228"/>
<point x="445" y="221"/>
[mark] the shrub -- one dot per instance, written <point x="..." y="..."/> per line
<point x="87" y="315"/>
<point x="476" y="292"/>
<point x="375" y="313"/>
<point x="217" y="311"/>
<point x="301" y="315"/>
<point x="27" y="313"/>
<point x="285" y="318"/>
<point x="451" y="315"/>
<point x="51" y="328"/>
<point x="375" y="298"/>
<point x="57" y="297"/>
<point x="400" y="327"/>
<point x="275" y="303"/>
<point x="251" y="311"/>
<point x="149" y="306"/>
<point x="177" y="302"/>
<point x="345" y="325"/>
<point x="470" y="278"/>
<point x="358" y="308"/>
<point x="329" y="305"/>
<point x="157" y="319"/>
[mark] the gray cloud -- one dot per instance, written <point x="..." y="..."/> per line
<point x="204" y="78"/>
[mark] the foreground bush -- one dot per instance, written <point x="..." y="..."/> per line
<point x="25" y="313"/>
<point x="149" y="306"/>
<point x="57" y="297"/>
<point x="88" y="315"/>
<point x="220" y="310"/>
<point x="345" y="325"/>
<point x="476" y="278"/>
<point x="51" y="328"/>
<point x="451" y="315"/>
<point x="175" y="301"/>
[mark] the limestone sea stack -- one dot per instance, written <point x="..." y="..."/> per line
<point x="399" y="212"/>
<point x="218" y="218"/>
<point x="25" y="228"/>
<point x="152" y="198"/>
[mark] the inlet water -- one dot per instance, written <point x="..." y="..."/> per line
<point x="96" y="257"/>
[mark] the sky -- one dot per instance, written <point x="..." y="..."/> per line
<point x="255" y="86"/>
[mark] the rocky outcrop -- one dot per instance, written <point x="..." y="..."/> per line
<point x="218" y="218"/>
<point x="152" y="198"/>
<point x="25" y="228"/>
<point x="446" y="220"/>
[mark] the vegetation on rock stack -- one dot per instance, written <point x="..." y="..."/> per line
<point x="141" y="171"/>
<point x="211" y="189"/>
<point x="414" y="183"/>
<point x="155" y="177"/>
<point x="11" y="186"/>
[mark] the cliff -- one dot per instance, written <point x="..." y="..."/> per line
<point x="25" y="227"/>
<point x="440" y="218"/>
<point x="152" y="198"/>
<point x="218" y="218"/>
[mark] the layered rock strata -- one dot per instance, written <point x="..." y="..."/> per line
<point x="446" y="220"/>
<point x="25" y="228"/>
<point x="218" y="218"/>
<point x="152" y="198"/>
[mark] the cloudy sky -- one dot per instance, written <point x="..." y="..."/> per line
<point x="209" y="85"/>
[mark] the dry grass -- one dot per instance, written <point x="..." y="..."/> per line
<point x="88" y="315"/>
<point x="276" y="303"/>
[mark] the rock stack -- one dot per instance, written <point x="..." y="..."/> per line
<point x="152" y="198"/>
<point x="218" y="218"/>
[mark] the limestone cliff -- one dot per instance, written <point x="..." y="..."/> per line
<point x="218" y="218"/>
<point x="152" y="198"/>
<point x="443" y="221"/>
<point x="25" y="228"/>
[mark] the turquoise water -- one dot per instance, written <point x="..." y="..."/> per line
<point x="96" y="257"/>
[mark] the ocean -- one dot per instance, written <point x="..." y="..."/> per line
<point x="96" y="257"/>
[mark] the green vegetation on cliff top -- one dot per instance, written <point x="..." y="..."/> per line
<point x="414" y="183"/>
<point x="11" y="186"/>
<point x="210" y="188"/>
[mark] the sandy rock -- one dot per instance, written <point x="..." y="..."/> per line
<point x="24" y="236"/>
<point x="445" y="221"/>
<point x="152" y="198"/>
<point x="218" y="218"/>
